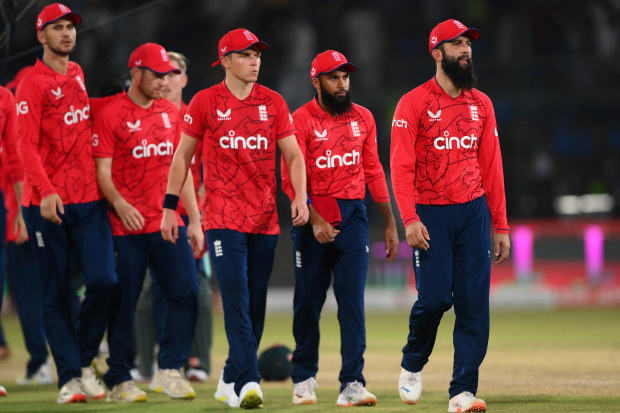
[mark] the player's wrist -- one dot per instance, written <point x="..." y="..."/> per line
<point x="171" y="201"/>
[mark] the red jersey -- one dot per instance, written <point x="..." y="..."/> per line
<point x="239" y="152"/>
<point x="195" y="167"/>
<point x="141" y="143"/>
<point x="55" y="136"/>
<point x="10" y="164"/>
<point x="446" y="151"/>
<point x="340" y="153"/>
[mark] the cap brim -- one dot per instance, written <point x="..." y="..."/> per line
<point x="77" y="19"/>
<point x="349" y="67"/>
<point x="261" y="45"/>
<point x="162" y="70"/>
<point x="471" y="34"/>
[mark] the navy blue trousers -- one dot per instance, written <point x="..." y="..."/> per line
<point x="347" y="259"/>
<point x="243" y="264"/>
<point x="455" y="270"/>
<point x="85" y="235"/>
<point x="24" y="281"/>
<point x="173" y="270"/>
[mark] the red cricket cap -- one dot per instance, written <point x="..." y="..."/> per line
<point x="54" y="12"/>
<point x="236" y="41"/>
<point x="328" y="61"/>
<point x="153" y="57"/>
<point x="450" y="30"/>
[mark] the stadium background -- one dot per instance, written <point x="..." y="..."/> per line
<point x="550" y="67"/>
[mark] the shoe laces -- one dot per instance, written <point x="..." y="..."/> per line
<point x="463" y="397"/>
<point x="412" y="378"/>
<point x="306" y="387"/>
<point x="352" y="388"/>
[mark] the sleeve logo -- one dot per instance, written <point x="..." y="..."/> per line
<point x="188" y="119"/>
<point x="22" y="107"/>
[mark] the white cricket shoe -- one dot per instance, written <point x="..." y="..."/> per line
<point x="466" y="402"/>
<point x="171" y="382"/>
<point x="2" y="391"/>
<point x="410" y="386"/>
<point x="126" y="392"/>
<point x="355" y="394"/>
<point x="90" y="384"/>
<point x="226" y="392"/>
<point x="304" y="392"/>
<point x="197" y="375"/>
<point x="42" y="376"/>
<point x="71" y="392"/>
<point x="251" y="396"/>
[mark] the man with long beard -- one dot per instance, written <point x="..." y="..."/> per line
<point x="339" y="143"/>
<point x="447" y="175"/>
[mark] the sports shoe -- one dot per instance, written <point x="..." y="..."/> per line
<point x="126" y="392"/>
<point x="251" y="396"/>
<point x="466" y="402"/>
<point x="71" y="392"/>
<point x="42" y="376"/>
<point x="410" y="386"/>
<point x="304" y="392"/>
<point x="355" y="394"/>
<point x="171" y="382"/>
<point x="90" y="384"/>
<point x="226" y="392"/>
<point x="197" y="375"/>
<point x="2" y="391"/>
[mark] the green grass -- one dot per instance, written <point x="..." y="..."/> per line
<point x="549" y="361"/>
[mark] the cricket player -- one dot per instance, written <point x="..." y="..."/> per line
<point x="239" y="123"/>
<point x="447" y="176"/>
<point x="339" y="141"/>
<point x="134" y="138"/>
<point x="63" y="208"/>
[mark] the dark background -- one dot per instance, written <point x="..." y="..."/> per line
<point x="551" y="68"/>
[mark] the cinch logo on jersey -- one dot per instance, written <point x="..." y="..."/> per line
<point x="217" y="246"/>
<point x="262" y="112"/>
<point x="239" y="142"/>
<point x="399" y="123"/>
<point x="188" y="119"/>
<point x="22" y="107"/>
<point x="474" y="112"/>
<point x="166" y="120"/>
<point x="148" y="150"/>
<point x="355" y="128"/>
<point x="77" y="115"/>
<point x="221" y="115"/>
<point x="57" y="93"/>
<point x="454" y="142"/>
<point x="329" y="161"/>
<point x="434" y="117"/>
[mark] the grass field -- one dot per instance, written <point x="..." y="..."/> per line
<point x="555" y="361"/>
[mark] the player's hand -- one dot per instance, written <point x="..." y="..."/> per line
<point x="324" y="232"/>
<point x="502" y="247"/>
<point x="19" y="228"/>
<point x="299" y="212"/>
<point x="391" y="242"/>
<point x="196" y="237"/>
<point x="417" y="235"/>
<point x="131" y="218"/>
<point x="51" y="206"/>
<point x="170" y="226"/>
